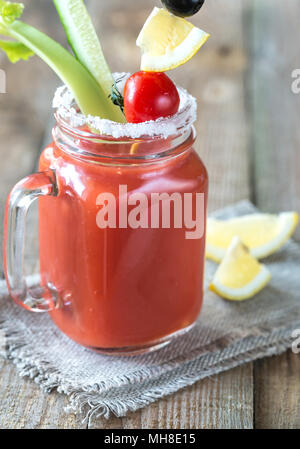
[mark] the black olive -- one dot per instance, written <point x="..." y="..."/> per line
<point x="183" y="8"/>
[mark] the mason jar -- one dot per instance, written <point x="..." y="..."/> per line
<point x="121" y="233"/>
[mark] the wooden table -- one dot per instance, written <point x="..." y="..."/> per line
<point x="249" y="138"/>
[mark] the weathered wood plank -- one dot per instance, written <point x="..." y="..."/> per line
<point x="276" y="139"/>
<point x="276" y="109"/>
<point x="218" y="402"/>
<point x="24" y="405"/>
<point x="215" y="78"/>
<point x="24" y="110"/>
<point x="277" y="392"/>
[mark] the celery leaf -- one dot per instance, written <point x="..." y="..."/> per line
<point x="15" y="50"/>
<point x="10" y="11"/>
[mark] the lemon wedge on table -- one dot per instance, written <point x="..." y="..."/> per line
<point x="263" y="234"/>
<point x="239" y="276"/>
<point x="168" y="41"/>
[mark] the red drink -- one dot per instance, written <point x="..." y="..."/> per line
<point x="123" y="288"/>
<point x="121" y="219"/>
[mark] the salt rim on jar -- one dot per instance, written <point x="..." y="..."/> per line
<point x="180" y="122"/>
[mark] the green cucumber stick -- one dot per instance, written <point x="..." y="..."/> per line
<point x="86" y="46"/>
<point x="88" y="94"/>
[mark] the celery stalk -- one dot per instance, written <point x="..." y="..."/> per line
<point x="88" y="94"/>
<point x="85" y="44"/>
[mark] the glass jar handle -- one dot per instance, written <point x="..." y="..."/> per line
<point x="37" y="298"/>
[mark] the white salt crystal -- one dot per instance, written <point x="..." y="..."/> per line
<point x="64" y="103"/>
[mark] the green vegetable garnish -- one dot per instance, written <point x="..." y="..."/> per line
<point x="15" y="50"/>
<point x="88" y="93"/>
<point x="86" y="46"/>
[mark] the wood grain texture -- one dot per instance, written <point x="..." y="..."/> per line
<point x="276" y="162"/>
<point x="217" y="78"/>
<point x="277" y="392"/>
<point x="24" y="110"/>
<point x="22" y="130"/>
<point x="216" y="402"/>
<point x="275" y="108"/>
<point x="25" y="406"/>
<point x="219" y="402"/>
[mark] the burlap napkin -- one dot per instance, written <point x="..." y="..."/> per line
<point x="227" y="334"/>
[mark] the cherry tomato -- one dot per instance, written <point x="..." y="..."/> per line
<point x="149" y="96"/>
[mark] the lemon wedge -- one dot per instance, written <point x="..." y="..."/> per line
<point x="168" y="41"/>
<point x="263" y="234"/>
<point x="239" y="276"/>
